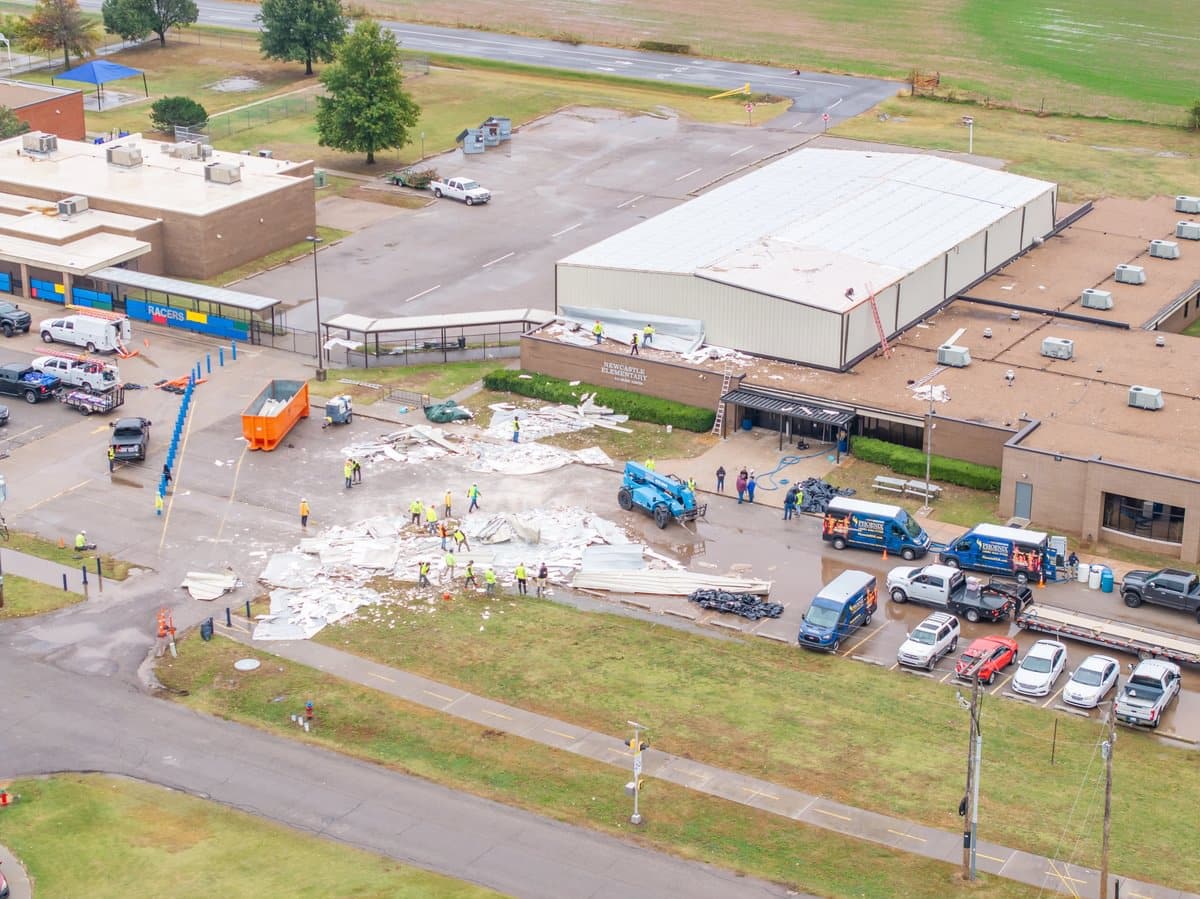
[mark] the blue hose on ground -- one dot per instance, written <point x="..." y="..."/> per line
<point x="784" y="462"/>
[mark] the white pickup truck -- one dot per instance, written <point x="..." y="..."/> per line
<point x="461" y="189"/>
<point x="90" y="374"/>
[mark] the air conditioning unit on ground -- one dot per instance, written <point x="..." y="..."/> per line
<point x="1188" y="230"/>
<point x="39" y="142"/>
<point x="1130" y="274"/>
<point x="72" y="206"/>
<point x="1187" y="204"/>
<point x="953" y="356"/>
<point x="222" y="173"/>
<point x="185" y="150"/>
<point x="1096" y="299"/>
<point x="1164" y="249"/>
<point x="125" y="156"/>
<point x="1145" y="397"/>
<point x="1058" y="348"/>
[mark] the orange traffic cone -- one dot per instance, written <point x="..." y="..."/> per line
<point x="885" y="554"/>
<point x="1042" y="579"/>
<point x="62" y="544"/>
<point x="446" y="596"/>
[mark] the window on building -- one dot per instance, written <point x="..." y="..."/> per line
<point x="1143" y="518"/>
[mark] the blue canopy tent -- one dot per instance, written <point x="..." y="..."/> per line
<point x="99" y="71"/>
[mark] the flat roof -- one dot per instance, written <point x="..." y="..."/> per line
<point x="251" y="302"/>
<point x="160" y="182"/>
<point x="79" y="257"/>
<point x="16" y="94"/>
<point x="817" y="221"/>
<point x="365" y="325"/>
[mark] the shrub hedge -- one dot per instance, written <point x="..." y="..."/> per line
<point x="910" y="461"/>
<point x="635" y="405"/>
<point x="665" y="47"/>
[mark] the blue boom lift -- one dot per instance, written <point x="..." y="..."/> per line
<point x="664" y="496"/>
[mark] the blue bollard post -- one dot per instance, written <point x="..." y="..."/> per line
<point x="247" y="610"/>
<point x="221" y="356"/>
<point x="228" y="617"/>
<point x="64" y="581"/>
<point x="83" y="569"/>
<point x="233" y="348"/>
<point x="99" y="575"/>
<point x="208" y="362"/>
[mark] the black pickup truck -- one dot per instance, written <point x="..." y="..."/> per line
<point x="130" y="437"/>
<point x="13" y="319"/>
<point x="993" y="601"/>
<point x="1168" y="587"/>
<point x="23" y="381"/>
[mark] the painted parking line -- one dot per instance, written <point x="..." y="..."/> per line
<point x="1053" y="696"/>
<point x="628" y="202"/>
<point x="417" y="296"/>
<point x="688" y="174"/>
<point x="1002" y="683"/>
<point x="565" y="230"/>
<point x="496" y="714"/>
<point x="873" y="633"/>
<point x="992" y="858"/>
<point x="382" y="677"/>
<point x="909" y="835"/>
<point x="742" y="150"/>
<point x="20" y="434"/>
<point x="831" y="814"/>
<point x="438" y="696"/>
<point x="754" y="792"/>
<point x="895" y="665"/>
<point x="798" y="124"/>
<point x="60" y="493"/>
<point x="559" y="733"/>
<point x="835" y="104"/>
<point x="92" y="431"/>
<point x="1066" y="880"/>
<point x="498" y="259"/>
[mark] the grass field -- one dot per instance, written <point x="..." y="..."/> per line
<point x="957" y="505"/>
<point x="437" y="380"/>
<point x="130" y="840"/>
<point x="1096" y="57"/>
<point x="370" y="725"/>
<point x="278" y="257"/>
<point x="25" y="597"/>
<point x="853" y="732"/>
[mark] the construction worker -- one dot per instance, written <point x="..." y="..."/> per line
<point x="447" y="501"/>
<point x="444" y="533"/>
<point x="598" y="330"/>
<point x="516" y="429"/>
<point x="166" y="476"/>
<point x="348" y="472"/>
<point x="650" y="464"/>
<point x="416" y="509"/>
<point x="431" y="518"/>
<point x="647" y="334"/>
<point x="356" y="471"/>
<point x="542" y="576"/>
<point x="303" y="513"/>
<point x="81" y="542"/>
<point x="522" y="580"/>
<point x="449" y="561"/>
<point x="469" y="580"/>
<point x="633" y="346"/>
<point x="166" y="632"/>
<point x="473" y="496"/>
<point x="691" y="482"/>
<point x="489" y="580"/>
<point x="422" y="574"/>
<point x="158" y="503"/>
<point x="460" y="540"/>
<point x="112" y="458"/>
<point x="789" y="503"/>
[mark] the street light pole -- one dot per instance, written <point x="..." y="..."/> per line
<point x="969" y="121"/>
<point x="317" y="298"/>
<point x="926" y="508"/>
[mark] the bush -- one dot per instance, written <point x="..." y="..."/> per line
<point x="665" y="47"/>
<point x="911" y="461"/>
<point x="168" y="112"/>
<point x="637" y="406"/>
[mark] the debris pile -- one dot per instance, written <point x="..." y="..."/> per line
<point x="417" y="443"/>
<point x="546" y="421"/>
<point x="442" y="413"/>
<point x="665" y="583"/>
<point x="530" y="458"/>
<point x="744" y="604"/>
<point x="818" y="493"/>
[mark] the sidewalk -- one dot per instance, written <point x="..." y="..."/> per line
<point x="44" y="571"/>
<point x="18" y="881"/>
<point x="895" y="833"/>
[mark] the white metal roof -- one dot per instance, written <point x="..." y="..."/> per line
<point x="818" y="221"/>
<point x="363" y="324"/>
<point x="130" y="278"/>
<point x="1016" y="535"/>
<point x="842" y="504"/>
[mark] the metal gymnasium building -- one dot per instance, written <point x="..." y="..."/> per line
<point x="784" y="262"/>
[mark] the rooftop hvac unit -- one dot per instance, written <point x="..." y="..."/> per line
<point x="124" y="156"/>
<point x="1096" y="299"/>
<point x="266" y="154"/>
<point x="222" y="172"/>
<point x="1058" y="348"/>
<point x="206" y="151"/>
<point x="1187" y="204"/>
<point x="185" y="150"/>
<point x="1188" y="230"/>
<point x="1130" y="274"/>
<point x="953" y="355"/>
<point x="1164" y="249"/>
<point x="72" y="206"/>
<point x="39" y="142"/>
<point x="1145" y="397"/>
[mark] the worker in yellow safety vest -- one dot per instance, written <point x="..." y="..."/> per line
<point x="415" y="509"/>
<point x="489" y="579"/>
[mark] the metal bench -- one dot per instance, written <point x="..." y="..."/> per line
<point x="894" y="485"/>
<point x="923" y="490"/>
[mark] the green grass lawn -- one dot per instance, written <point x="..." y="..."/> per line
<point x="853" y="732"/>
<point x="24" y="597"/>
<point x="89" y="835"/>
<point x="114" y="569"/>
<point x="277" y="257"/>
<point x="371" y="725"/>
<point x="957" y="505"/>
<point x="438" y="380"/>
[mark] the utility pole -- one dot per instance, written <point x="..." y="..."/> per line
<point x="969" y="808"/>
<point x="1108" y="759"/>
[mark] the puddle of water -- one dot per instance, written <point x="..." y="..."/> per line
<point x="235" y="85"/>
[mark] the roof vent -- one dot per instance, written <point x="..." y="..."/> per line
<point x="1130" y="274"/>
<point x="1160" y="340"/>
<point x="39" y="142"/>
<point x="222" y="173"/>
<point x="1096" y="299"/>
<point x="1164" y="249"/>
<point x="953" y="355"/>
<point x="1145" y="397"/>
<point x="1187" y="204"/>
<point x="1188" y="230"/>
<point x="1058" y="348"/>
<point x="72" y="206"/>
<point x="125" y="156"/>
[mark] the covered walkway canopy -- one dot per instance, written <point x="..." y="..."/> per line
<point x="100" y="71"/>
<point x="782" y="411"/>
<point x="447" y="333"/>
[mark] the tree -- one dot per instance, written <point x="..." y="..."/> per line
<point x="134" y="19"/>
<point x="304" y="31"/>
<point x="10" y="125"/>
<point x="56" y="24"/>
<point x="1194" y="116"/>
<point x="366" y="108"/>
<point x="168" y="112"/>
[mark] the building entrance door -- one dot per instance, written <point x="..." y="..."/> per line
<point x="1023" y="500"/>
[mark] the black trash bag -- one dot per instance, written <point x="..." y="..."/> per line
<point x="206" y="629"/>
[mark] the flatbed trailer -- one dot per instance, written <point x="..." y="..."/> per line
<point x="1144" y="642"/>
<point x="87" y="401"/>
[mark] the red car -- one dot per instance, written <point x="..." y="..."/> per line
<point x="991" y="654"/>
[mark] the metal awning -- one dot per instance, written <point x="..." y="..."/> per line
<point x="748" y="397"/>
<point x="250" y="302"/>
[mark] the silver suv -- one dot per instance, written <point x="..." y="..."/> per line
<point x="933" y="638"/>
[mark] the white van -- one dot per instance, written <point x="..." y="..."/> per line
<point x="91" y="332"/>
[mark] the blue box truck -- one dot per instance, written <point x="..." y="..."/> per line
<point x="840" y="608"/>
<point x="1026" y="555"/>
<point x="854" y="522"/>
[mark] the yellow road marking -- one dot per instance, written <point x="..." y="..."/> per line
<point x="438" y="696"/>
<point x="909" y="835"/>
<point x="1053" y="696"/>
<point x="1000" y="687"/>
<point x="754" y="792"/>
<point x="496" y="714"/>
<point x="990" y="858"/>
<point x="862" y="641"/>
<point x="949" y="674"/>
<point x="559" y="733"/>
<point x="381" y="677"/>
<point x="1066" y="880"/>
<point x="237" y="473"/>
<point x="179" y="468"/>
<point x="57" y="495"/>
<point x="895" y="665"/>
<point x="1138" y="896"/>
<point x="97" y="430"/>
<point x="831" y="814"/>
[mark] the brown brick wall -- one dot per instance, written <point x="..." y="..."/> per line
<point x="970" y="441"/>
<point x="636" y="373"/>
<point x="56" y="115"/>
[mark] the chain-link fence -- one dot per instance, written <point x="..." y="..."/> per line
<point x="223" y="124"/>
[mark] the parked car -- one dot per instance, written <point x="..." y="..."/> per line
<point x="1040" y="669"/>
<point x="1091" y="681"/>
<point x="1151" y="687"/>
<point x="993" y="601"/>
<point x="3" y="415"/>
<point x="987" y="657"/>
<point x="13" y="319"/>
<point x="933" y="638"/>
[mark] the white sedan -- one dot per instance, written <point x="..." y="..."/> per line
<point x="1091" y="681"/>
<point x="1042" y="666"/>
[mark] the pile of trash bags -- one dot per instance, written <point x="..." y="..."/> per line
<point x="818" y="493"/>
<point x="441" y="413"/>
<point x="747" y="605"/>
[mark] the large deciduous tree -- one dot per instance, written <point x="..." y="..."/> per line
<point x="366" y="108"/>
<point x="60" y="24"/>
<point x="134" y="19"/>
<point x="304" y="31"/>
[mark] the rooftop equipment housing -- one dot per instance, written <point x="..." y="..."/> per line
<point x="1058" y="348"/>
<point x="1164" y="249"/>
<point x="1145" y="397"/>
<point x="953" y="355"/>
<point x="1093" y="298"/>
<point x="1130" y="274"/>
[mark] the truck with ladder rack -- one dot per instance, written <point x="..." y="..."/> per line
<point x="1144" y="642"/>
<point x="93" y="329"/>
<point x="75" y="370"/>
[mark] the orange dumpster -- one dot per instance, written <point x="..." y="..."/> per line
<point x="274" y="412"/>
